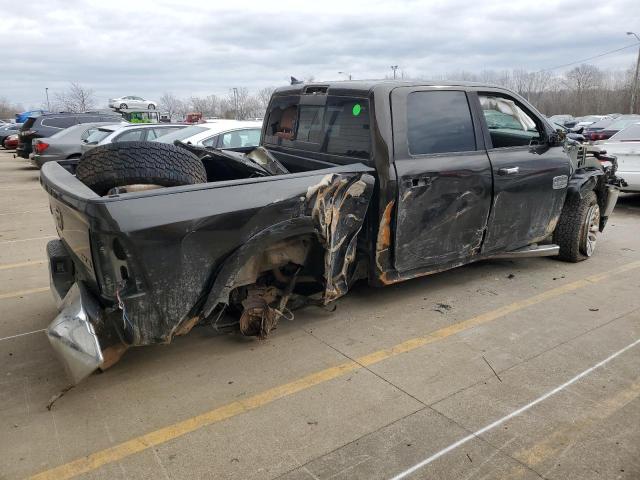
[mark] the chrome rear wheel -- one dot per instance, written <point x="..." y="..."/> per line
<point x="591" y="230"/>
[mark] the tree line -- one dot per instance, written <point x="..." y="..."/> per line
<point x="583" y="90"/>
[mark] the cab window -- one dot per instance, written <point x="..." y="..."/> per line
<point x="439" y="122"/>
<point x="508" y="124"/>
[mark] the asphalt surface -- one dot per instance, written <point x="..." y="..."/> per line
<point x="498" y="370"/>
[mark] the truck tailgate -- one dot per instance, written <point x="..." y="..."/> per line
<point x="68" y="202"/>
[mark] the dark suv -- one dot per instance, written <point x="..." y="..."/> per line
<point x="47" y="124"/>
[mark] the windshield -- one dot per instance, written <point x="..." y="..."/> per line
<point x="334" y="125"/>
<point x="629" y="134"/>
<point x="181" y="134"/>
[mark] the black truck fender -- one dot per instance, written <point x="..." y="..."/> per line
<point x="583" y="180"/>
<point x="604" y="184"/>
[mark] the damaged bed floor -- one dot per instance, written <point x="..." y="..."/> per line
<point x="395" y="378"/>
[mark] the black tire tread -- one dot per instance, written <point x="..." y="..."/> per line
<point x="126" y="163"/>
<point x="570" y="226"/>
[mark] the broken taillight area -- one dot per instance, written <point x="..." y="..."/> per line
<point x="112" y="268"/>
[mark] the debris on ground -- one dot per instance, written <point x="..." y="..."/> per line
<point x="442" y="307"/>
<point x="57" y="396"/>
<point x="492" y="369"/>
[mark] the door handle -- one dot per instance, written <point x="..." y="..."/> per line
<point x="508" y="171"/>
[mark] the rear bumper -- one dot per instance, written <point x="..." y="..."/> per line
<point x="39" y="160"/>
<point x="72" y="334"/>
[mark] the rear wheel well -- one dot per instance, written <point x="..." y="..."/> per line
<point x="276" y="278"/>
<point x="74" y="155"/>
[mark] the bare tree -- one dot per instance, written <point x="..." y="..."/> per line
<point x="76" y="98"/>
<point x="209" y="106"/>
<point x="8" y="109"/>
<point x="242" y="105"/>
<point x="262" y="98"/>
<point x="171" y="104"/>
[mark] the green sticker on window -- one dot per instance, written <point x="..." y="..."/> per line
<point x="356" y="110"/>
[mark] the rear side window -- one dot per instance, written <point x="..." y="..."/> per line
<point x="439" y="122"/>
<point x="240" y="138"/>
<point x="181" y="134"/>
<point x="130" y="136"/>
<point x="59" y="122"/>
<point x="340" y="127"/>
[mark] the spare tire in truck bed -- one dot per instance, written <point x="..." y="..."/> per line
<point x="139" y="163"/>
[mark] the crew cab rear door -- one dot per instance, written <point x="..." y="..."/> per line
<point x="529" y="175"/>
<point x="443" y="174"/>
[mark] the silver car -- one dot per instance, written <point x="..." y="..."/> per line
<point x="63" y="145"/>
<point x="127" y="133"/>
<point x="131" y="101"/>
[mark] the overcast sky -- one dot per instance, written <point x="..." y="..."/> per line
<point x="145" y="48"/>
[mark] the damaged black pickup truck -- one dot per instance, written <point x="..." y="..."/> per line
<point x="379" y="181"/>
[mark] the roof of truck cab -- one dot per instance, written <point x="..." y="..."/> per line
<point x="341" y="87"/>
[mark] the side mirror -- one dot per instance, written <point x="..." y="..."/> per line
<point x="576" y="137"/>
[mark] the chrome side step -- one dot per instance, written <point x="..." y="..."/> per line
<point x="530" y="251"/>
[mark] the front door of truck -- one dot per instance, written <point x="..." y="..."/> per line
<point x="444" y="178"/>
<point x="530" y="175"/>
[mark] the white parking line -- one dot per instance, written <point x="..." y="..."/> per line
<point x="513" y="414"/>
<point x="21" y="334"/>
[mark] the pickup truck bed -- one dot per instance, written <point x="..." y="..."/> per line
<point x="132" y="250"/>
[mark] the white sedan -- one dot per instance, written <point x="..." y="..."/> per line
<point x="218" y="134"/>
<point x="127" y="132"/>
<point x="625" y="145"/>
<point x="132" y="101"/>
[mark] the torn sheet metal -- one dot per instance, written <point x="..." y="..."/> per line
<point x="338" y="207"/>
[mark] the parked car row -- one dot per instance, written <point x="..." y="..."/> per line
<point x="45" y="137"/>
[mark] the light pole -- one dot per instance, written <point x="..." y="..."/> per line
<point x="634" y="87"/>
<point x="46" y="91"/>
<point x="345" y="73"/>
<point x="235" y="101"/>
<point x="394" y="68"/>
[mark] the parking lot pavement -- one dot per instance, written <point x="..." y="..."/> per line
<point x="410" y="375"/>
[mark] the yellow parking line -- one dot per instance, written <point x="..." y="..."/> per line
<point x="130" y="447"/>
<point x="9" y="266"/>
<point x="21" y="293"/>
